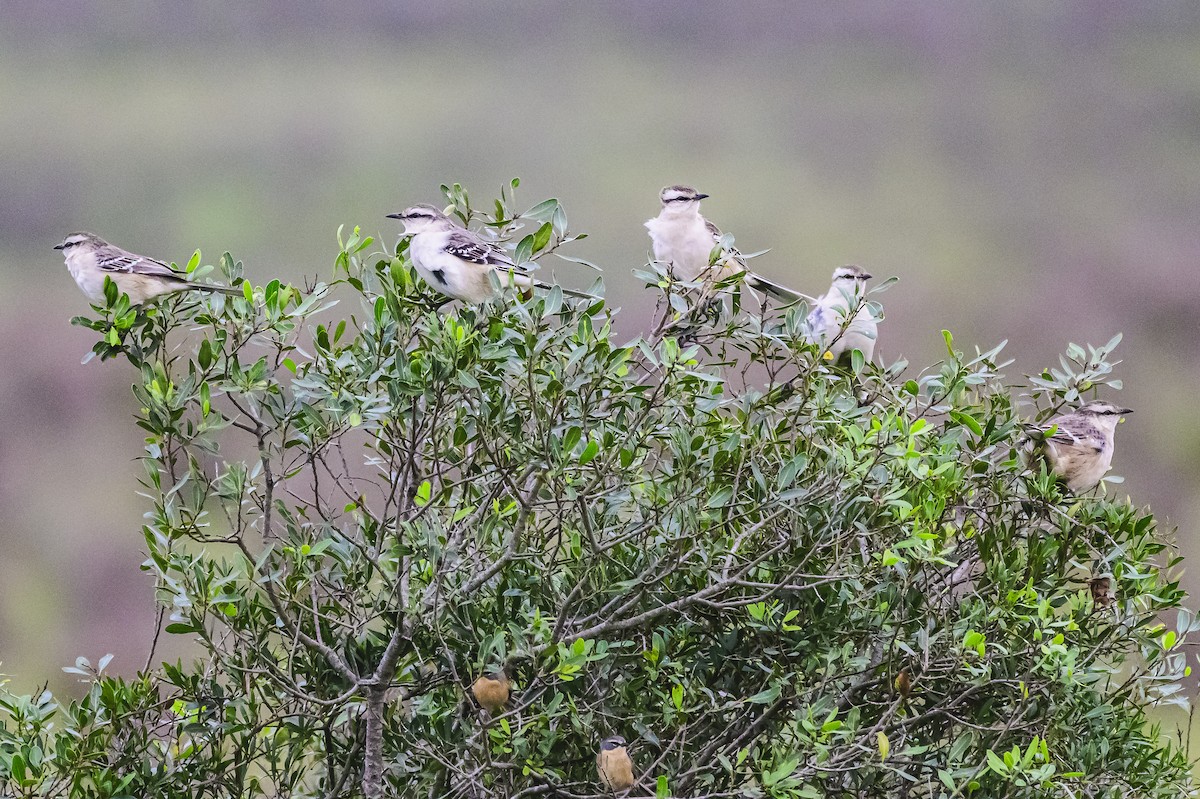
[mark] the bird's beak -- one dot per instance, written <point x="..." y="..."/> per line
<point x="701" y="196"/>
<point x="867" y="276"/>
<point x="60" y="246"/>
<point x="1124" y="411"/>
<point x="395" y="216"/>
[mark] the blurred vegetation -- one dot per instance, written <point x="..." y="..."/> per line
<point x="1030" y="172"/>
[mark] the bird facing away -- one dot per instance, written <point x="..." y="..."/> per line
<point x="90" y="259"/>
<point x="830" y="323"/>
<point x="1080" y="450"/>
<point x="613" y="765"/>
<point x="491" y="690"/>
<point x="684" y="240"/>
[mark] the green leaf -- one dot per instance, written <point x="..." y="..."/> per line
<point x="543" y="211"/>
<point x="857" y="361"/>
<point x="721" y="497"/>
<point x="524" y="251"/>
<point x="542" y="237"/>
<point x="792" y="469"/>
<point x="968" y="421"/>
<point x="765" y="697"/>
<point x="16" y="767"/>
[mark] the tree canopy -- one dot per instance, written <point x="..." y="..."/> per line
<point x="771" y="574"/>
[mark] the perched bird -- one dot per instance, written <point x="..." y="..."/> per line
<point x="456" y="261"/>
<point x="613" y="764"/>
<point x="684" y="240"/>
<point x="840" y="320"/>
<point x="1080" y="450"/>
<point x="491" y="690"/>
<point x="1102" y="593"/>
<point x="90" y="259"/>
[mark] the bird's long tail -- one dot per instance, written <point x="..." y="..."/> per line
<point x="524" y="281"/>
<point x="232" y="291"/>
<point x="1032" y="433"/>
<point x="775" y="290"/>
<point x="579" y="295"/>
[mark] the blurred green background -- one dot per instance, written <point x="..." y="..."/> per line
<point x="1030" y="171"/>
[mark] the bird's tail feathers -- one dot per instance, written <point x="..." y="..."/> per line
<point x="1033" y="433"/>
<point x="579" y="295"/>
<point x="232" y="291"/>
<point x="775" y="290"/>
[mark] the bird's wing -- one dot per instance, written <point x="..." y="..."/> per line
<point x="463" y="244"/>
<point x="1072" y="433"/>
<point x="818" y="321"/>
<point x="775" y="289"/>
<point x="116" y="260"/>
<point x="734" y="254"/>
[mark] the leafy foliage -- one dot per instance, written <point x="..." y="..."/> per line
<point x="773" y="576"/>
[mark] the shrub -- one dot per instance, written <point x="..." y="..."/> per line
<point x="772" y="575"/>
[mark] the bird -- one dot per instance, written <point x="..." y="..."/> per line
<point x="458" y="262"/>
<point x="1101" y="589"/>
<point x="90" y="259"/>
<point x="613" y="764"/>
<point x="1079" y="450"/>
<point x="491" y="690"/>
<point x="684" y="240"/>
<point x="840" y="321"/>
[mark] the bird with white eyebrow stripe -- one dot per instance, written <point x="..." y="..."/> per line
<point x="1080" y="449"/>
<point x="684" y="240"/>
<point x="90" y="259"/>
<point x="840" y="320"/>
<point x="458" y="262"/>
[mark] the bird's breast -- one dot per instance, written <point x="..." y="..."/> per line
<point x="684" y="244"/>
<point x="424" y="247"/>
<point x="88" y="277"/>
